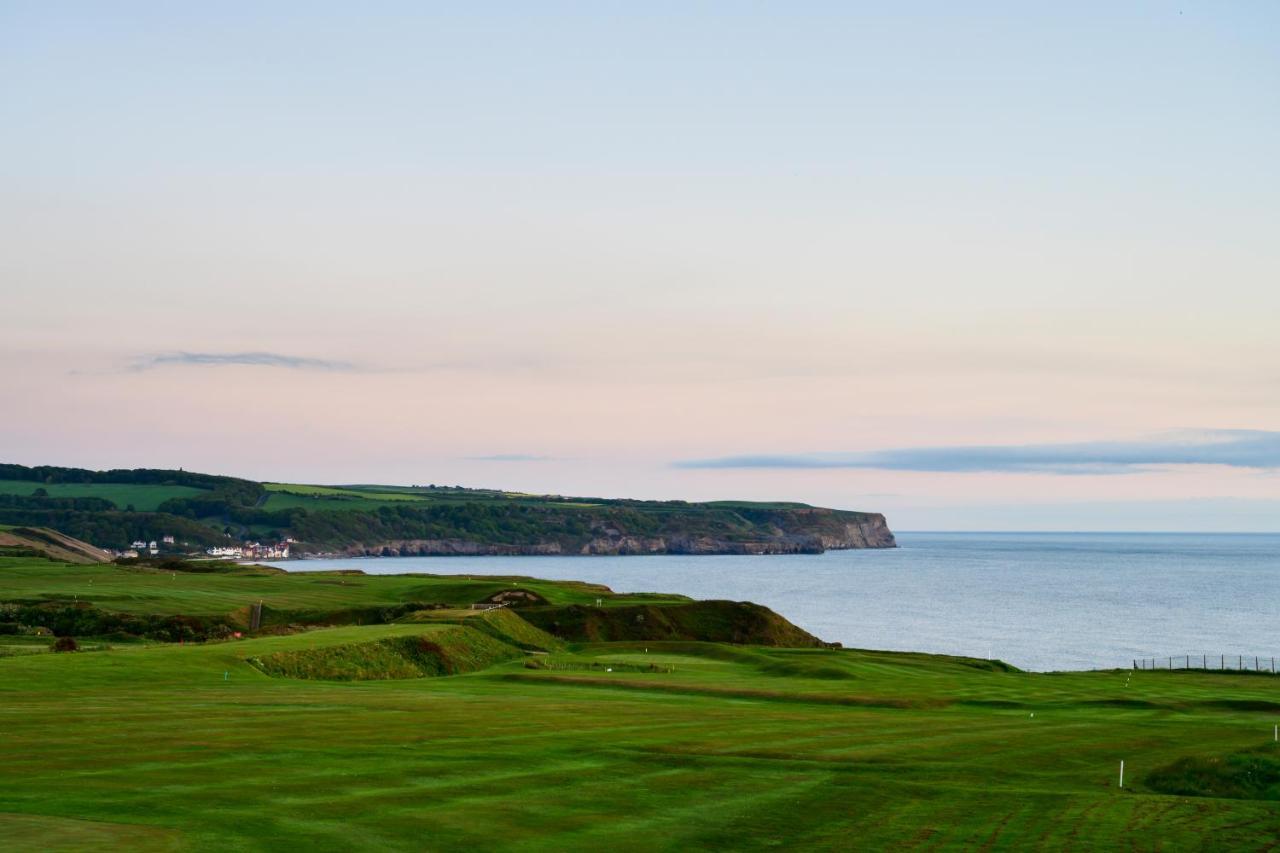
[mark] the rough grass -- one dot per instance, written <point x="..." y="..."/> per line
<point x="52" y="834"/>
<point x="433" y="650"/>
<point x="715" y="621"/>
<point x="501" y="623"/>
<point x="1253" y="775"/>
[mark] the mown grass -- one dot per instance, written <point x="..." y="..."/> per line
<point x="144" y="590"/>
<point x="709" y="751"/>
<point x="684" y="746"/>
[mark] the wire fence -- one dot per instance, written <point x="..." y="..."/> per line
<point x="1213" y="663"/>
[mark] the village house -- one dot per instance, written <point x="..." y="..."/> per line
<point x="259" y="551"/>
<point x="252" y="551"/>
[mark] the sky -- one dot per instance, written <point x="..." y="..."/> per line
<point x="989" y="266"/>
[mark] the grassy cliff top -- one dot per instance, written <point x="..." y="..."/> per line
<point x="111" y="509"/>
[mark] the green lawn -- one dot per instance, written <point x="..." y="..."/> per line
<point x="142" y="590"/>
<point x="683" y="746"/>
<point x="144" y="497"/>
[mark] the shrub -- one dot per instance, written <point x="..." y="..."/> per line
<point x="66" y="644"/>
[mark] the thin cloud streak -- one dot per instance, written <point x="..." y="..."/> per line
<point x="251" y="359"/>
<point x="509" y="457"/>
<point x="1255" y="449"/>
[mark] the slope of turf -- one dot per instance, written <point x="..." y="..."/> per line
<point x="42" y="542"/>
<point x="715" y="621"/>
<point x="643" y="744"/>
<point x="228" y="588"/>
<point x="426" y="651"/>
<point x="196" y="745"/>
<point x="502" y="623"/>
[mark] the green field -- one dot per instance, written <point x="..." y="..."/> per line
<point x="144" y="497"/>
<point x="331" y="498"/>
<point x="683" y="745"/>
<point x="348" y="498"/>
<point x="136" y="589"/>
<point x="204" y="510"/>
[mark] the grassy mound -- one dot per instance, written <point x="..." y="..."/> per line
<point x="502" y="624"/>
<point x="737" y="622"/>
<point x="445" y="650"/>
<point x="1251" y="775"/>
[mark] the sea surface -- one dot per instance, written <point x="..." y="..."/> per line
<point x="1041" y="601"/>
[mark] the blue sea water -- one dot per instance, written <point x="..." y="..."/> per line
<point x="1041" y="601"/>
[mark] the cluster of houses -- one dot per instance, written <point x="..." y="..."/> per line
<point x="248" y="550"/>
<point x="245" y="551"/>
<point x="252" y="551"/>
<point x="142" y="546"/>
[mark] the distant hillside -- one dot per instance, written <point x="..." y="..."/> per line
<point x="112" y="509"/>
<point x="22" y="541"/>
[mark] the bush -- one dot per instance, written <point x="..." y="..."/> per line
<point x="66" y="644"/>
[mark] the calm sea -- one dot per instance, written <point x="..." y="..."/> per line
<point x="1041" y="601"/>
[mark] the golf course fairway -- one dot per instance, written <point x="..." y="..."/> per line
<point x="356" y="737"/>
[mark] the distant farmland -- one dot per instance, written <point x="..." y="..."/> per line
<point x="142" y="497"/>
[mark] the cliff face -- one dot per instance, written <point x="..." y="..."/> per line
<point x="807" y="530"/>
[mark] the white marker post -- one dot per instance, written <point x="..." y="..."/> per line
<point x="1122" y="773"/>
<point x="1276" y="733"/>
